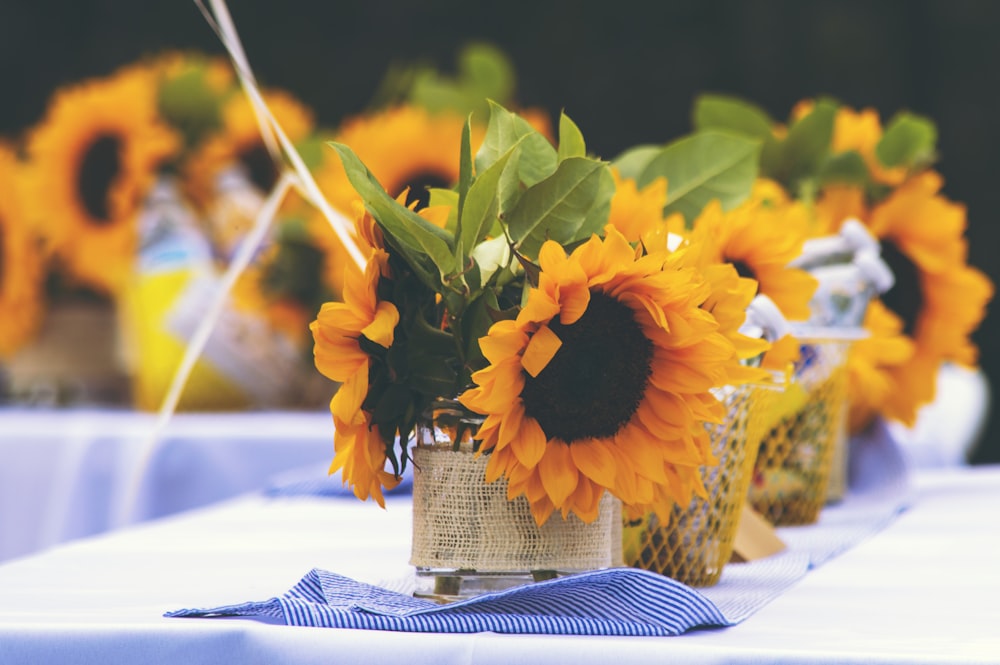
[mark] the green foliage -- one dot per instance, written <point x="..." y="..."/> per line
<point x="562" y="207"/>
<point x="538" y="160"/>
<point x="703" y="167"/>
<point x="803" y="160"/>
<point x="483" y="72"/>
<point x="631" y="163"/>
<point x="428" y="249"/>
<point x="909" y="140"/>
<point x="571" y="143"/>
<point x="188" y="103"/>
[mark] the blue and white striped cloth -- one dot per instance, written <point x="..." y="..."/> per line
<point x="620" y="601"/>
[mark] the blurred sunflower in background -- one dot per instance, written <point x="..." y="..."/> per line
<point x="91" y="161"/>
<point x="238" y="141"/>
<point x="760" y="238"/>
<point x="21" y="263"/>
<point x="937" y="299"/>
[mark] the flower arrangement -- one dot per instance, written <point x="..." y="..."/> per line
<point x="591" y="358"/>
<point x="75" y="196"/>
<point x="840" y="164"/>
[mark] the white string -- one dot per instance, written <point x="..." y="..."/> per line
<point x="302" y="180"/>
<point x="125" y="508"/>
<point x="227" y="34"/>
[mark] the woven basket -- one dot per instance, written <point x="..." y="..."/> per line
<point x="808" y="425"/>
<point x="697" y="541"/>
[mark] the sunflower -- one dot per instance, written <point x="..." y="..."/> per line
<point x="20" y="264"/>
<point x="760" y="238"/>
<point x="92" y="160"/>
<point x="239" y="141"/>
<point x="638" y="215"/>
<point x="869" y="383"/>
<point x="861" y="131"/>
<point x="602" y="382"/>
<point x="341" y="332"/>
<point x="939" y="298"/>
<point x="403" y="147"/>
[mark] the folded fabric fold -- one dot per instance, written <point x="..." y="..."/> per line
<point x="618" y="601"/>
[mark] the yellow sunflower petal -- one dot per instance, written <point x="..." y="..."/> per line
<point x="540" y="350"/>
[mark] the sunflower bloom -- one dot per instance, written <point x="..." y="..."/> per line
<point x="359" y="450"/>
<point x="602" y="382"/>
<point x="20" y="264"/>
<point x="636" y="212"/>
<point x="92" y="160"/>
<point x="239" y="141"/>
<point x="760" y="238"/>
<point x="870" y="383"/>
<point x="861" y="131"/>
<point x="939" y="298"/>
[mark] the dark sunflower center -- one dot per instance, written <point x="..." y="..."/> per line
<point x="99" y="168"/>
<point x="420" y="186"/>
<point x="743" y="269"/>
<point x="595" y="382"/>
<point x="905" y="297"/>
<point x="260" y="167"/>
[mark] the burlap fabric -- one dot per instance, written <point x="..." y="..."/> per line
<point x="462" y="523"/>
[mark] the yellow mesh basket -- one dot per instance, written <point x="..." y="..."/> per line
<point x="804" y="427"/>
<point x="697" y="541"/>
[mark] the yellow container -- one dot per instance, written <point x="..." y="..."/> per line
<point x="807" y="426"/>
<point x="697" y="541"/>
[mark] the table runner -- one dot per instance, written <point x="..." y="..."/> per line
<point x="619" y="601"/>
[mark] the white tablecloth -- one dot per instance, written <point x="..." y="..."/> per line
<point x="925" y="589"/>
<point x="61" y="472"/>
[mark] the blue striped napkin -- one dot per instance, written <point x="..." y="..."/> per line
<point x="619" y="601"/>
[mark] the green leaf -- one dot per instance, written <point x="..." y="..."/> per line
<point x="416" y="238"/>
<point x="538" y="159"/>
<point x="430" y="358"/>
<point x="731" y="114"/>
<point x="702" y="167"/>
<point x="571" y="143"/>
<point x="600" y="209"/>
<point x="557" y="207"/>
<point x="631" y="163"/>
<point x="476" y="323"/>
<point x="909" y="140"/>
<point x="806" y="146"/>
<point x="487" y="70"/>
<point x="465" y="165"/>
<point x="482" y="206"/>
<point x="445" y="197"/>
<point x="847" y="167"/>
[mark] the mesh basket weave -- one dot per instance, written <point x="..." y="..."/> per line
<point x="697" y="541"/>
<point x="807" y="425"/>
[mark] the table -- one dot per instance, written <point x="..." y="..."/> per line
<point x="62" y="471"/>
<point x="923" y="590"/>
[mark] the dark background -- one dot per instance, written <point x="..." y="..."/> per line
<point x="625" y="71"/>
